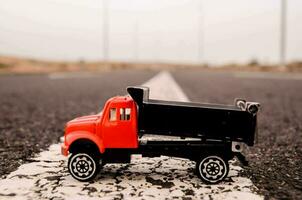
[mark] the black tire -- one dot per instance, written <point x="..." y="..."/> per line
<point x="83" y="166"/>
<point x="212" y="169"/>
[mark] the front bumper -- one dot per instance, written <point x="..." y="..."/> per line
<point x="64" y="150"/>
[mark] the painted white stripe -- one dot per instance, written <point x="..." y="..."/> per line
<point x="163" y="86"/>
<point x="145" y="178"/>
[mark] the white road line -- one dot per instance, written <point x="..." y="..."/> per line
<point x="163" y="86"/>
<point x="145" y="178"/>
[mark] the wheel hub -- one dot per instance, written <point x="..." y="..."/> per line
<point x="212" y="168"/>
<point x="82" y="166"/>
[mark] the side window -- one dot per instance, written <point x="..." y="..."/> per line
<point x="112" y="114"/>
<point x="128" y="112"/>
<point x="125" y="114"/>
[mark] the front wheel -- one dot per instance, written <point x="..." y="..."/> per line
<point x="212" y="169"/>
<point x="83" y="166"/>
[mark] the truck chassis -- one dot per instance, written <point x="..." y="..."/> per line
<point x="211" y="156"/>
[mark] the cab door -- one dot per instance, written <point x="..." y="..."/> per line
<point x="120" y="130"/>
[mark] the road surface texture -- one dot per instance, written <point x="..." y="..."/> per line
<point x="276" y="161"/>
<point x="46" y="176"/>
<point x="33" y="110"/>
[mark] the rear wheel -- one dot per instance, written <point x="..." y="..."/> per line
<point x="83" y="166"/>
<point x="212" y="169"/>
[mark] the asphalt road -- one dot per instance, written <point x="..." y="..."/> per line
<point x="276" y="161"/>
<point x="33" y="110"/>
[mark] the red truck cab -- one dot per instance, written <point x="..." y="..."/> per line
<point x="114" y="127"/>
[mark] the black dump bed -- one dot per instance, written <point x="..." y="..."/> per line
<point x="208" y="121"/>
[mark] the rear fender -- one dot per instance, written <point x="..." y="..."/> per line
<point x="73" y="136"/>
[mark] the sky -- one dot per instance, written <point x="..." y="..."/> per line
<point x="182" y="31"/>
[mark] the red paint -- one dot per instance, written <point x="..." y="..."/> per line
<point x="102" y="131"/>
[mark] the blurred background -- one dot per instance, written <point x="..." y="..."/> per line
<point x="185" y="32"/>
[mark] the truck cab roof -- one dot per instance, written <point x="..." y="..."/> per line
<point x="121" y="101"/>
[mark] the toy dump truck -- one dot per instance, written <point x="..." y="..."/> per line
<point x="208" y="134"/>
